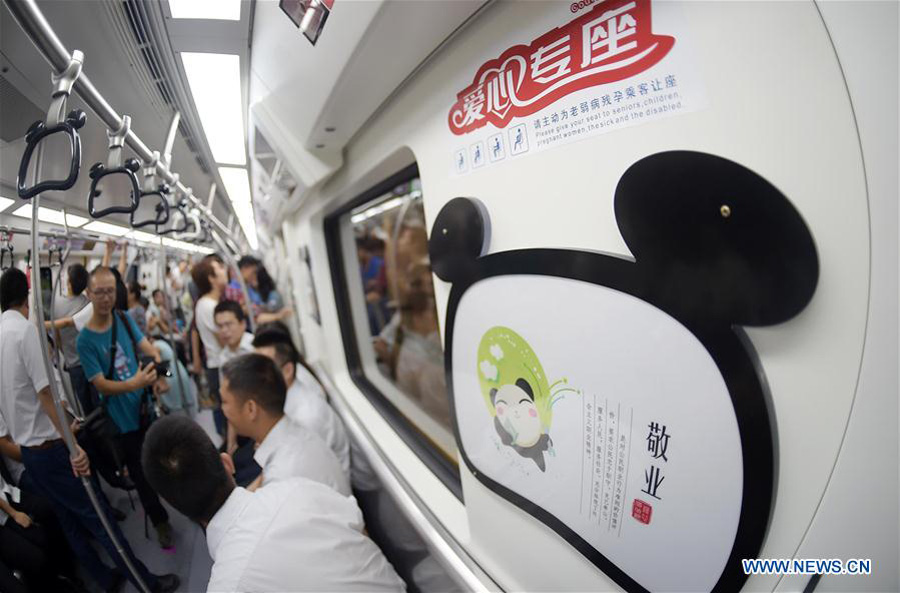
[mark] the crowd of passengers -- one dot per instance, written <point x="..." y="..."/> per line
<point x="403" y="323"/>
<point x="275" y="499"/>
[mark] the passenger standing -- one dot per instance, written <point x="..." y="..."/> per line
<point x="136" y="308"/>
<point x="211" y="278"/>
<point x="159" y="321"/>
<point x="253" y="394"/>
<point x="295" y="535"/>
<point x="305" y="401"/>
<point x="68" y="306"/>
<point x="28" y="410"/>
<point x="108" y="346"/>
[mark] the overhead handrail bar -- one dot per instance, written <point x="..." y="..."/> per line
<point x="72" y="234"/>
<point x="32" y="21"/>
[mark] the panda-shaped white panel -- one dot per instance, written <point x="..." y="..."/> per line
<point x="609" y="415"/>
<point x="617" y="401"/>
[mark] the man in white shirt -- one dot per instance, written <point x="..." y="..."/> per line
<point x="232" y="326"/>
<point x="211" y="278"/>
<point x="253" y="394"/>
<point x="305" y="402"/>
<point x="26" y="404"/>
<point x="294" y="535"/>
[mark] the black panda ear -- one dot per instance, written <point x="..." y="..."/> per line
<point x="715" y="239"/>
<point x="460" y="235"/>
<point x="493" y="393"/>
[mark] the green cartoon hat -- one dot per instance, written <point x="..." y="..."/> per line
<point x="504" y="357"/>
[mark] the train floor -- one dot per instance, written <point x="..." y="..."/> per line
<point x="189" y="559"/>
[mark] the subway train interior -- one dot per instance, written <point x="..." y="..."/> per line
<point x="363" y="295"/>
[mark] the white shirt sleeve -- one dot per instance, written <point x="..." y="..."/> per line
<point x="82" y="317"/>
<point x="33" y="359"/>
<point x="206" y="325"/>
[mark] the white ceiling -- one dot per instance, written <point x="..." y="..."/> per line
<point x="309" y="101"/>
<point x="365" y="52"/>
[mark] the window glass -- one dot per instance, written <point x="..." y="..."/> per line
<point x="401" y="346"/>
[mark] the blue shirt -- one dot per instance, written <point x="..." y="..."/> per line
<point x="93" y="350"/>
<point x="273" y="304"/>
<point x="372" y="269"/>
<point x="252" y="293"/>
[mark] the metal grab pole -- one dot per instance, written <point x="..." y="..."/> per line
<point x="60" y="413"/>
<point x="171" y="340"/>
<point x="251" y="323"/>
<point x="70" y="397"/>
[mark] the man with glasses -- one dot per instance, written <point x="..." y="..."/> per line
<point x="109" y="346"/>
<point x="232" y="325"/>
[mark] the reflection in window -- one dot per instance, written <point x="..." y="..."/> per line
<point x="392" y="250"/>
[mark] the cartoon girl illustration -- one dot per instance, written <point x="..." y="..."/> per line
<point x="517" y="393"/>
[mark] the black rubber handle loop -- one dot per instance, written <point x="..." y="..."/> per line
<point x="12" y="257"/>
<point x="37" y="132"/>
<point x="190" y="226"/>
<point x="162" y="209"/>
<point x="98" y="172"/>
<point x="207" y="235"/>
<point x="179" y="209"/>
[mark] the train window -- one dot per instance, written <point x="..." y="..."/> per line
<point x="379" y="253"/>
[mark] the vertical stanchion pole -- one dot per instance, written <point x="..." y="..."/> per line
<point x="57" y="403"/>
<point x="70" y="397"/>
<point x="163" y="268"/>
<point x="64" y="84"/>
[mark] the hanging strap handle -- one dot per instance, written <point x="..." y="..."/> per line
<point x="179" y="219"/>
<point x="115" y="166"/>
<point x="55" y="124"/>
<point x="7" y="247"/>
<point x="161" y="192"/>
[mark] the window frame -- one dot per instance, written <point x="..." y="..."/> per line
<point x="446" y="469"/>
